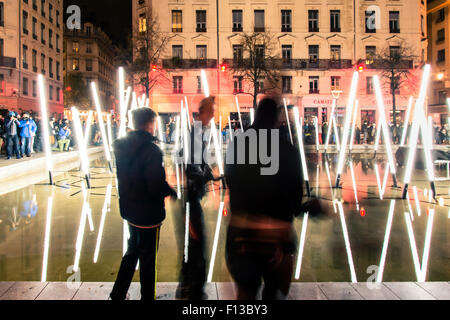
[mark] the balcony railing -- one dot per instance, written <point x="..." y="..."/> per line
<point x="380" y="64"/>
<point x="189" y="63"/>
<point x="299" y="64"/>
<point x="7" y="62"/>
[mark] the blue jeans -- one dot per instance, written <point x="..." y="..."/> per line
<point x="12" y="142"/>
<point x="26" y="146"/>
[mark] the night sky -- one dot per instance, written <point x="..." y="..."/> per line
<point x="113" y="16"/>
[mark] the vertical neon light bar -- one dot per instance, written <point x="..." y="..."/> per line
<point x="108" y="127"/>
<point x="347" y="243"/>
<point x="287" y="120"/>
<point x="87" y="130"/>
<point x="216" y="241"/>
<point x="45" y="129"/>
<point x="252" y="115"/>
<point x="188" y="112"/>
<point x="317" y="132"/>
<point x="405" y="126"/>
<point x="205" y="83"/>
<point x="355" y="114"/>
<point x="384" y="127"/>
<point x="348" y="118"/>
<point x="160" y="132"/>
<point x="387" y="234"/>
<point x="419" y="123"/>
<point x="81" y="145"/>
<point x="239" y="112"/>
<point x="101" y="125"/>
<point x="48" y="224"/>
<point x="301" y="246"/>
<point x="299" y="127"/>
<point x="217" y="146"/>
<point x="105" y="209"/>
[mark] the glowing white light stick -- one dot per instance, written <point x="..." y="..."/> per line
<point x="239" y="112"/>
<point x="81" y="145"/>
<point x="252" y="115"/>
<point x="229" y="128"/>
<point x="287" y="120"/>
<point x="185" y="133"/>
<point x="331" y="188"/>
<point x="101" y="125"/>
<point x="186" y="234"/>
<point x="147" y="103"/>
<point x="125" y="237"/>
<point x="405" y="127"/>
<point x="79" y="243"/>
<point x="105" y="209"/>
<point x="187" y="112"/>
<point x="87" y="129"/>
<point x="332" y="124"/>
<point x="336" y="134"/>
<point x="44" y="125"/>
<point x="178" y="181"/>
<point x="348" y="118"/>
<point x="386" y="242"/>
<point x="301" y="246"/>
<point x="317" y="132"/>
<point x="412" y="243"/>
<point x="217" y="146"/>
<point x="122" y="102"/>
<point x="160" y="132"/>
<point x="215" y="243"/>
<point x="219" y="133"/>
<point x="378" y="181"/>
<point x="347" y="243"/>
<point x="299" y="127"/>
<point x="48" y="223"/>
<point x="354" y="184"/>
<point x="419" y="123"/>
<point x="205" y="83"/>
<point x="355" y="113"/>
<point x="177" y="133"/>
<point x="384" y="127"/>
<point x="108" y="127"/>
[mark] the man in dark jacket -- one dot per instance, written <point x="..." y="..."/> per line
<point x="142" y="189"/>
<point x="12" y="135"/>
<point x="260" y="239"/>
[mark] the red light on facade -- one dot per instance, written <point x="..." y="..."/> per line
<point x="223" y="67"/>
<point x="361" y="67"/>
<point x="225" y="212"/>
<point x="362" y="212"/>
<point x="154" y="67"/>
<point x="68" y="89"/>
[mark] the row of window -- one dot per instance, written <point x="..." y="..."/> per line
<point x="43" y="12"/>
<point x="286" y="52"/>
<point x="43" y="33"/>
<point x="286" y="21"/>
<point x="286" y="84"/>
<point x="102" y="68"/>
<point x="51" y="89"/>
<point x="34" y="55"/>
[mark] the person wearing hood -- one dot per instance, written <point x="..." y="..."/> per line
<point x="12" y="135"/>
<point x="142" y="189"/>
<point x="27" y="130"/>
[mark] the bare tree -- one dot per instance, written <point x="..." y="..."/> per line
<point x="148" y="44"/>
<point x="396" y="63"/>
<point x="257" y="62"/>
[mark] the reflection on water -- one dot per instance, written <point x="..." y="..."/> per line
<point x="49" y="233"/>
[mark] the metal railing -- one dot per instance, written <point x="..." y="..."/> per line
<point x="189" y="63"/>
<point x="8" y="62"/>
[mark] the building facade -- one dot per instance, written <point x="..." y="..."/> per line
<point x="319" y="42"/>
<point x="89" y="52"/>
<point x="438" y="25"/>
<point x="31" y="36"/>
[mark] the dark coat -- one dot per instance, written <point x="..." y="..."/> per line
<point x="278" y="196"/>
<point x="142" y="179"/>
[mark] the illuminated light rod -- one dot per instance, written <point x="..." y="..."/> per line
<point x="109" y="128"/>
<point x="48" y="224"/>
<point x="106" y="208"/>
<point x="301" y="246"/>
<point x="287" y="120"/>
<point x="347" y="243"/>
<point x="81" y="145"/>
<point x="87" y="129"/>
<point x="299" y="127"/>
<point x="187" y="112"/>
<point x="348" y="118"/>
<point x="385" y="242"/>
<point x="448" y="105"/>
<point x="217" y="147"/>
<point x="101" y="125"/>
<point x="316" y="127"/>
<point x="405" y="127"/>
<point x="205" y="83"/>
<point x="44" y="122"/>
<point x="252" y="115"/>
<point x="355" y="113"/>
<point x="383" y="126"/>
<point x="239" y="112"/>
<point x="332" y="124"/>
<point x="160" y="132"/>
<point x="419" y="122"/>
<point x="216" y="241"/>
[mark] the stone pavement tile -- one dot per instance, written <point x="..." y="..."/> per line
<point x="94" y="291"/>
<point x="439" y="290"/>
<point x="226" y="290"/>
<point x="305" y="291"/>
<point x="339" y="291"/>
<point x="409" y="291"/>
<point x="24" y="291"/>
<point x="166" y="290"/>
<point x="4" y="286"/>
<point x="135" y="291"/>
<point x="59" y="291"/>
<point x="380" y="292"/>
<point x="211" y="291"/>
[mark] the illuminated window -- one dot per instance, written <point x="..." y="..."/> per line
<point x="76" y="64"/>
<point x="142" y="23"/>
<point x="177" y="21"/>
<point x="371" y="52"/>
<point x="76" y="46"/>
